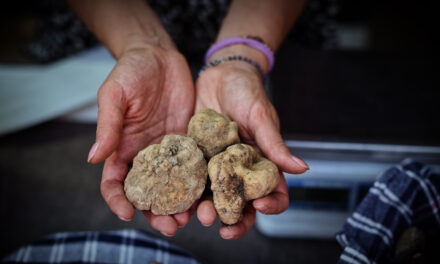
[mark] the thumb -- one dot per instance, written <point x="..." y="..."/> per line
<point x="111" y="110"/>
<point x="269" y="140"/>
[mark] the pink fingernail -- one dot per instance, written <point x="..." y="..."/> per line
<point x="92" y="151"/>
<point x="300" y="162"/>
<point x="259" y="206"/>
<point x="165" y="234"/>
<point x="206" y="225"/>
<point x="124" y="219"/>
<point x="227" y="234"/>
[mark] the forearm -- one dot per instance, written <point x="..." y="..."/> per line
<point x="122" y="24"/>
<point x="269" y="20"/>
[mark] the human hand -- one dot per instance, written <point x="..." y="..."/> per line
<point x="235" y="88"/>
<point x="148" y="94"/>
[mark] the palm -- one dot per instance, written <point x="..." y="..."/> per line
<point x="159" y="101"/>
<point x="238" y="94"/>
<point x="148" y="94"/>
<point x="237" y="91"/>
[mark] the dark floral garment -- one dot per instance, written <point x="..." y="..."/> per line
<point x="193" y="24"/>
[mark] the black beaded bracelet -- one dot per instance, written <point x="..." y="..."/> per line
<point x="232" y="58"/>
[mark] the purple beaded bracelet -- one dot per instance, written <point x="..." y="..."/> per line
<point x="232" y="58"/>
<point x="240" y="40"/>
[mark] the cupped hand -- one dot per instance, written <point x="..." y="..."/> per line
<point x="148" y="94"/>
<point x="235" y="88"/>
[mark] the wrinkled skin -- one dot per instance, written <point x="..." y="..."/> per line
<point x="238" y="175"/>
<point x="167" y="178"/>
<point x="148" y="94"/>
<point x="235" y="89"/>
<point x="212" y="131"/>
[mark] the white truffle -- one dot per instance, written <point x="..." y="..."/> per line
<point x="167" y="178"/>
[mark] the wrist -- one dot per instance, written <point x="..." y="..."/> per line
<point x="244" y="51"/>
<point x="137" y="41"/>
<point x="122" y="25"/>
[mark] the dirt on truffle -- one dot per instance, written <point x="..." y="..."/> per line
<point x="238" y="175"/>
<point x="213" y="132"/>
<point x="167" y="178"/>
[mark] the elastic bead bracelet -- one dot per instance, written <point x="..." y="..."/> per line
<point x="232" y="58"/>
<point x="249" y="41"/>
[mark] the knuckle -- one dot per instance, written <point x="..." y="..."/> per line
<point x="276" y="148"/>
<point x="260" y="113"/>
<point x="104" y="190"/>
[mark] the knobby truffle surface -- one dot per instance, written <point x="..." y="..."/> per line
<point x="167" y="178"/>
<point x="213" y="132"/>
<point x="239" y="174"/>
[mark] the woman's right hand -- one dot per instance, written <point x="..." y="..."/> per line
<point x="148" y="94"/>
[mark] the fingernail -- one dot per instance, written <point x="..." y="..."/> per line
<point x="165" y="234"/>
<point x="206" y="225"/>
<point x="124" y="219"/>
<point x="92" y="151"/>
<point x="300" y="162"/>
<point x="227" y="234"/>
<point x="260" y="206"/>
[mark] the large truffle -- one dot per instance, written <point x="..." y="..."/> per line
<point x="167" y="178"/>
<point x="212" y="132"/>
<point x="239" y="174"/>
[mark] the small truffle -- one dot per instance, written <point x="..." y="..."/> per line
<point x="239" y="174"/>
<point x="213" y="132"/>
<point x="167" y="178"/>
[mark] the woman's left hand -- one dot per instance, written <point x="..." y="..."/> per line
<point x="235" y="88"/>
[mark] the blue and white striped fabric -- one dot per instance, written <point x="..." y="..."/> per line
<point x="122" y="246"/>
<point x="406" y="195"/>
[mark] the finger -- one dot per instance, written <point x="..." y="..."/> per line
<point x="111" y="110"/>
<point x="241" y="228"/>
<point x="206" y="212"/>
<point x="162" y="223"/>
<point x="183" y="218"/>
<point x="268" y="138"/>
<point x="112" y="189"/>
<point x="276" y="202"/>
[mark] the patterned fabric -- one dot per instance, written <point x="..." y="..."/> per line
<point x="405" y="197"/>
<point x="122" y="246"/>
<point x="59" y="33"/>
<point x="193" y="24"/>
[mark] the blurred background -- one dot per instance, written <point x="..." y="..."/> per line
<point x="355" y="96"/>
